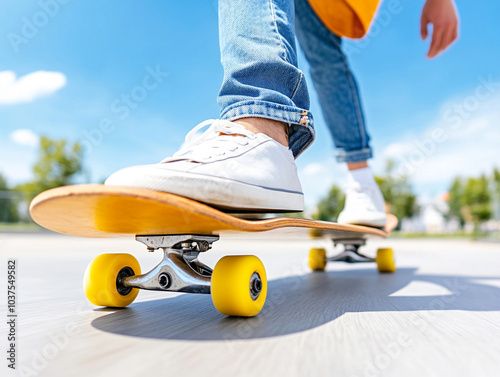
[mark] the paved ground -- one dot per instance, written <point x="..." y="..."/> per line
<point x="439" y="315"/>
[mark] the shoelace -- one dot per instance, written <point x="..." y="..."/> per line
<point x="220" y="137"/>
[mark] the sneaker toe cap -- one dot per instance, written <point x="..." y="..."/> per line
<point x="372" y="218"/>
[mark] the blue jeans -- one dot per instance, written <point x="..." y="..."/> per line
<point x="261" y="78"/>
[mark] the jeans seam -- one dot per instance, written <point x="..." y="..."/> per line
<point x="280" y="38"/>
<point x="297" y="86"/>
<point x="355" y="101"/>
<point x="268" y="106"/>
<point x="336" y="42"/>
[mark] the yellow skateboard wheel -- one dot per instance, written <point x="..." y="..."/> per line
<point x="101" y="280"/>
<point x="385" y="260"/>
<point x="317" y="259"/>
<point x="239" y="285"/>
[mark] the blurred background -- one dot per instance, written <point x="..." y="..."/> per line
<point x="87" y="88"/>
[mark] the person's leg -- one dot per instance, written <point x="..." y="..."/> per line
<point x="242" y="161"/>
<point x="341" y="107"/>
<point x="335" y="84"/>
<point x="261" y="78"/>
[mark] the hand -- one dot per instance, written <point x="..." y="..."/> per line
<point x="442" y="15"/>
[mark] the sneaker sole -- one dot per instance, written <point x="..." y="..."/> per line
<point x="215" y="191"/>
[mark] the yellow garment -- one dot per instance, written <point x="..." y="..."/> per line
<point x="346" y="18"/>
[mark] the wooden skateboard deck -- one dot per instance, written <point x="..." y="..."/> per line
<point x="183" y="229"/>
<point x="111" y="211"/>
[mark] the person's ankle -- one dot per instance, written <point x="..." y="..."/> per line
<point x="274" y="129"/>
<point x="357" y="165"/>
<point x="360" y="175"/>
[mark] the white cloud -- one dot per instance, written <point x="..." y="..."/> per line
<point x="432" y="157"/>
<point x="467" y="147"/>
<point x="29" y="87"/>
<point x="24" y="137"/>
<point x="395" y="150"/>
<point x="313" y="169"/>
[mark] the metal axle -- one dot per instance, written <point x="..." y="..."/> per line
<point x="351" y="252"/>
<point x="180" y="270"/>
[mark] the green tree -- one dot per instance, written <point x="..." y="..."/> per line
<point x="330" y="206"/>
<point x="495" y="194"/>
<point x="455" y="201"/>
<point x="397" y="193"/>
<point x="476" y="201"/>
<point x="8" y="203"/>
<point x="496" y="177"/>
<point x="58" y="162"/>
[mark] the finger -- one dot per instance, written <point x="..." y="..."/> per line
<point x="437" y="37"/>
<point x="449" y="37"/>
<point x="423" y="28"/>
<point x="455" y="32"/>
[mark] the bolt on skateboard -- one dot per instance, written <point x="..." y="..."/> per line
<point x="184" y="229"/>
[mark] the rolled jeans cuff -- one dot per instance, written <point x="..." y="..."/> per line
<point x="301" y="134"/>
<point x="354" y="156"/>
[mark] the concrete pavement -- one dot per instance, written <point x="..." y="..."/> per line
<point x="439" y="314"/>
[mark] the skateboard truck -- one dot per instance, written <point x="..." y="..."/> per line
<point x="179" y="271"/>
<point x="351" y="252"/>
<point x="237" y="284"/>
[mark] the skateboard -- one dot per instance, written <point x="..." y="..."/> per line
<point x="183" y="229"/>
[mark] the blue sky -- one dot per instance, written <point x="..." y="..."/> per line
<point x="438" y="117"/>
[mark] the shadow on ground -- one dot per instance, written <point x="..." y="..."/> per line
<point x="297" y="304"/>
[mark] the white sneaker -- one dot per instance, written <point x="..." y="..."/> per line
<point x="364" y="205"/>
<point x="226" y="166"/>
